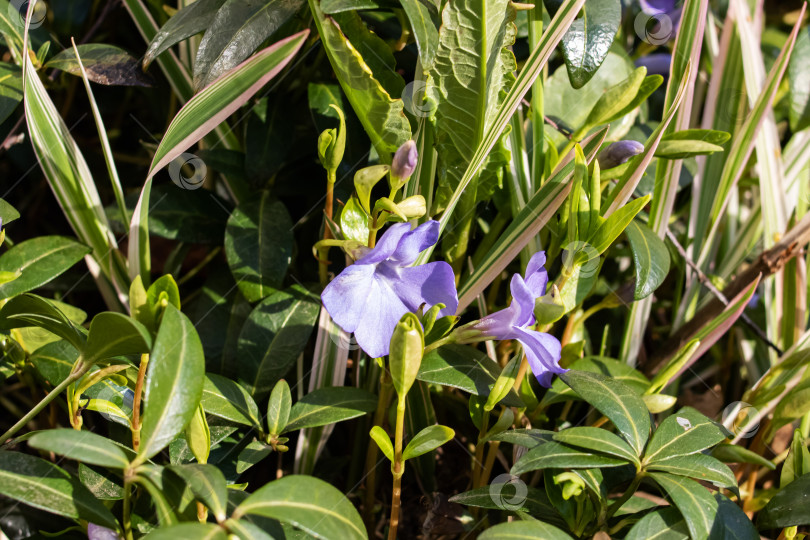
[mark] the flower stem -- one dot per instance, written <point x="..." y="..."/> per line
<point x="136" y="403"/>
<point x="73" y="377"/>
<point x="371" y="452"/>
<point x="624" y="498"/>
<point x="398" y="469"/>
<point x="327" y="233"/>
<point x="478" y="460"/>
<point x="127" y="505"/>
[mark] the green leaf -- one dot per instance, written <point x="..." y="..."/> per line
<point x="498" y="496"/>
<point x="528" y="438"/>
<point x="54" y="360"/>
<point x="41" y="484"/>
<point x="328" y="405"/>
<point x="38" y="261"/>
<point x="224" y="398"/>
<point x="730" y="453"/>
<point x="699" y="467"/>
<point x="82" y="446"/>
<point x="524" y="529"/>
<point x="103" y="64"/>
<point x="427" y="440"/>
<point x="174" y="382"/>
<point x="795" y="404"/>
<point x="253" y="453"/>
<point x="11" y="94"/>
<point x="191" y="20"/>
<point x="382" y="439"/>
<point x="188" y="531"/>
<point x="650" y="257"/>
<point x="102" y="483"/>
<point x="115" y="334"/>
<point x="273" y="336"/>
<point x="587" y="41"/>
<point x="623" y="406"/>
<point x="258" y="245"/>
<point x="463" y="367"/>
<point x="421" y="16"/>
<point x="7" y="212"/>
<point x="799" y="79"/>
<point x="683" y="433"/>
<point x="208" y="484"/>
<point x="614" y="369"/>
<point x="237" y="29"/>
<point x="32" y="310"/>
<point x="278" y="408"/>
<point x="554" y="455"/>
<point x="681" y="149"/>
<point x="310" y="504"/>
<point x="598" y="440"/>
<point x="354" y="221"/>
<point x="788" y="507"/>
<point x="695" y="503"/>
<point x="731" y="521"/>
<point x="615" y="225"/>
<point x="663" y="524"/>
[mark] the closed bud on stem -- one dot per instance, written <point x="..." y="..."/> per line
<point x="413" y="207"/>
<point x="618" y="153"/>
<point x="404" y="164"/>
<point x="407" y="348"/>
<point x="572" y="485"/>
<point x="549" y="308"/>
<point x="332" y="143"/>
<point x="505" y="382"/>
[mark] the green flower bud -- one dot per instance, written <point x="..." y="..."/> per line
<point x="549" y="308"/>
<point x="505" y="382"/>
<point x="413" y="207"/>
<point x="407" y="348"/>
<point x="572" y="485"/>
<point x="332" y="143"/>
<point x="658" y="403"/>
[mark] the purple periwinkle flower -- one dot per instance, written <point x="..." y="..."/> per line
<point x="667" y="20"/>
<point x="404" y="162"/>
<point x="656" y="63"/>
<point x="619" y="152"/>
<point x="542" y="350"/>
<point x="370" y="296"/>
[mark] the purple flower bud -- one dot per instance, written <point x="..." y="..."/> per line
<point x="618" y="153"/>
<point x="404" y="161"/>
<point x="97" y="532"/>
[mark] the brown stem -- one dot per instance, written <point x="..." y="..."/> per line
<point x="136" y="403"/>
<point x="372" y="452"/>
<point x="398" y="469"/>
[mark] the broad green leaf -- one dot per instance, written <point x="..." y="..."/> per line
<point x="41" y="484"/>
<point x="115" y="334"/>
<point x="699" y="467"/>
<point x="730" y="453"/>
<point x="799" y="79"/>
<point x="191" y="20"/>
<point x="427" y="440"/>
<point x="731" y="521"/>
<point x="420" y="15"/>
<point x="663" y="524"/>
<point x="587" y="41"/>
<point x="103" y="64"/>
<point x="329" y="405"/>
<point x="247" y="530"/>
<point x="273" y="336"/>
<point x="259" y="245"/>
<point x="616" y="101"/>
<point x="208" y="484"/>
<point x="683" y="433"/>
<point x="383" y="441"/>
<point x="463" y="367"/>
<point x="513" y="496"/>
<point x="54" y="360"/>
<point x="682" y="149"/>
<point x="32" y="310"/>
<point x="609" y="367"/>
<point x="227" y="399"/>
<point x="524" y="529"/>
<point x="788" y="507"/>
<point x="11" y="94"/>
<point x="554" y="455"/>
<point x="236" y="30"/>
<point x="338" y="6"/>
<point x="83" y="446"/>
<point x="278" y="407"/>
<point x="380" y="113"/>
<point x="354" y="221"/>
<point x="528" y="438"/>
<point x="650" y="258"/>
<point x="616" y="223"/>
<point x="695" y="503"/>
<point x="598" y="440"/>
<point x="174" y="382"/>
<point x="310" y="504"/>
<point x="188" y="531"/>
<point x="253" y="453"/>
<point x="102" y="483"/>
<point x="623" y="406"/>
<point x="38" y="261"/>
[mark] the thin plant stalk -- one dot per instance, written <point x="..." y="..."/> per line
<point x="397" y="469"/>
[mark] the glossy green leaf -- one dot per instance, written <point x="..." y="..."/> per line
<point x="525" y="437"/>
<point x="54" y="360"/>
<point x="38" y="261"/>
<point x="103" y="64"/>
<point x="650" y="259"/>
<point x="354" y="221"/>
<point x="663" y="524"/>
<point x="273" y="336"/>
<point x="7" y="212"/>
<point x="383" y="441"/>
<point x="11" y="94"/>
<point x="208" y="484"/>
<point x="730" y="453"/>
<point x="614" y="369"/>
<point x="174" y="382"/>
<point x="258" y="245"/>
<point x="616" y="101"/>
<point x="598" y="440"/>
<point x="799" y="80"/>
<point x="698" y="467"/>
<point x="191" y="20"/>
<point x="237" y="29"/>
<point x="683" y="433"/>
<point x="310" y="504"/>
<point x="420" y="15"/>
<point x="278" y="408"/>
<point x="511" y="496"/>
<point x="32" y="310"/>
<point x="427" y="440"/>
<point x="695" y="503"/>
<point x="103" y="484"/>
<point x="554" y="455"/>
<point x="731" y="521"/>
<point x="623" y="406"/>
<point x="615" y="225"/>
<point x="41" y="484"/>
<point x="250" y="455"/>
<point x="115" y="334"/>
<point x="524" y="529"/>
<point x="188" y="531"/>
<point x="227" y="399"/>
<point x="329" y="405"/>
<point x="789" y="507"/>
<point x="587" y="41"/>
<point x="83" y="446"/>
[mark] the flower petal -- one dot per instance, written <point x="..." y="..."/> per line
<point x="381" y="313"/>
<point x="497" y="325"/>
<point x="386" y="244"/>
<point x="543" y="351"/>
<point x="415" y="242"/>
<point x="522" y="304"/>
<point x="431" y="284"/>
<point x="346" y="296"/>
<point x="536" y="276"/>
<point x="657" y="7"/>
